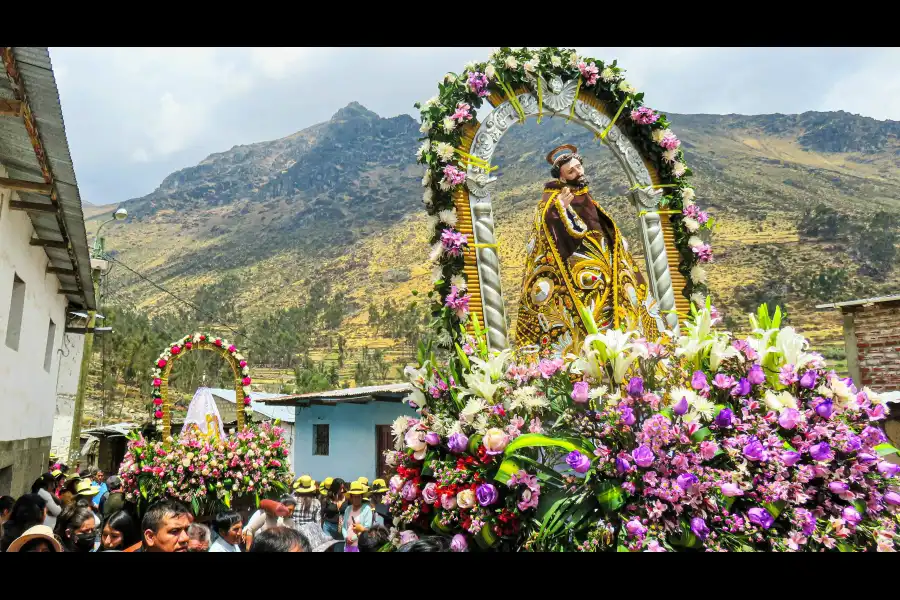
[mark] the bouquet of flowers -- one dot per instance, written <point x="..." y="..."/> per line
<point x="705" y="443"/>
<point x="208" y="473"/>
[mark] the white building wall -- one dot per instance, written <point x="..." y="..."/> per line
<point x="66" y="389"/>
<point x="27" y="390"/>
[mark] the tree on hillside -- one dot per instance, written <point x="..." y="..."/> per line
<point x="822" y="222"/>
<point x="877" y="246"/>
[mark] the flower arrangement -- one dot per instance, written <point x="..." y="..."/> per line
<point x="708" y="443"/>
<point x="187" y="343"/>
<point x="207" y="473"/>
<point x="445" y="117"/>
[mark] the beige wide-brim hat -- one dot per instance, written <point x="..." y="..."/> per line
<point x="36" y="532"/>
<point x="357" y="488"/>
<point x="86" y="487"/>
<point x="304" y="484"/>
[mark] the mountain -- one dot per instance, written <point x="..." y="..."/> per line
<point x="340" y="202"/>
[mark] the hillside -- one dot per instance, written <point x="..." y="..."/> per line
<point x="340" y="202"/>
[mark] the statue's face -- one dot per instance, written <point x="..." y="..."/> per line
<point x="571" y="171"/>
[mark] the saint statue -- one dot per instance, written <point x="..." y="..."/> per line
<point x="577" y="259"/>
<point x="203" y="416"/>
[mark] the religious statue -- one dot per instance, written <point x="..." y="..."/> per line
<point x="203" y="416"/>
<point x="577" y="259"/>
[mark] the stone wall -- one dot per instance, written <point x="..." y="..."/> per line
<point x="21" y="462"/>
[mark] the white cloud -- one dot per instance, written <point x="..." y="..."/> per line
<point x="140" y="155"/>
<point x="278" y="63"/>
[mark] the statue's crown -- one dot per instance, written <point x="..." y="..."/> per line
<point x="561" y="152"/>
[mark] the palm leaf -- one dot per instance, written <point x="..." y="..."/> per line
<point x="535" y="440"/>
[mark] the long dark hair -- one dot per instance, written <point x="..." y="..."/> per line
<point x="27" y="512"/>
<point x="72" y="517"/>
<point x="336" y="490"/>
<point x="45" y="482"/>
<point x="125" y="524"/>
<point x="305" y="500"/>
<point x="280" y="539"/>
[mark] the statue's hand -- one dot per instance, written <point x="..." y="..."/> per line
<point x="566" y="197"/>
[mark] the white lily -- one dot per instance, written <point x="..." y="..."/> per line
<point x="780" y="401"/>
<point x="416" y="397"/>
<point x="473" y="408"/>
<point x="416" y="376"/>
<point x="790" y="345"/>
<point x="480" y="384"/>
<point x="495" y="366"/>
<point x="719" y="351"/>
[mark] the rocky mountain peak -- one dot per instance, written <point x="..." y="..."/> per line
<point x="352" y="111"/>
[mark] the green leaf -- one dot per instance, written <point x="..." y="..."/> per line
<point x="845" y="548"/>
<point x="860" y="506"/>
<point x="438" y="528"/>
<point x="687" y="539"/>
<point x="774" y="508"/>
<point x="507" y="469"/>
<point x="142" y="485"/>
<point x="227" y="499"/>
<point x="474" y="442"/>
<point x="486" y="538"/>
<point x="610" y="495"/>
<point x="463" y="358"/>
<point x="535" y="440"/>
<point x="885" y="449"/>
<point x="701" y="434"/>
<point x="622" y="549"/>
<point x="195" y="505"/>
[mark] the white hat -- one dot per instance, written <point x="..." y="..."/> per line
<point x="36" y="532"/>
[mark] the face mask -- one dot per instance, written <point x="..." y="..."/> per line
<point x="84" y="542"/>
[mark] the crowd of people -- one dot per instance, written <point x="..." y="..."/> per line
<point x="88" y="512"/>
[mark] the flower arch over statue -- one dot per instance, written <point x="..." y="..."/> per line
<point x="166" y="361"/>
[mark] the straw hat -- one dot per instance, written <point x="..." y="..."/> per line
<point x="37" y="532"/>
<point x="325" y="487"/>
<point x="357" y="488"/>
<point x="379" y="486"/>
<point x="56" y="473"/>
<point x="86" y="487"/>
<point x="304" y="485"/>
<point x="364" y="481"/>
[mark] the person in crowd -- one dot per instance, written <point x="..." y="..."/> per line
<point x="36" y="539"/>
<point x="43" y="487"/>
<point x="376" y="500"/>
<point x="431" y="543"/>
<point x="199" y="535"/>
<point x="331" y="509"/>
<point x="100" y="479"/>
<point x="76" y="528"/>
<point x="356" y="515"/>
<point x="309" y="509"/>
<point x="280" y="539"/>
<point x="373" y="539"/>
<point x="270" y="514"/>
<point x="118" y="532"/>
<point x="6" y="504"/>
<point x="29" y="510"/>
<point x="114" y="500"/>
<point x="318" y="540"/>
<point x="165" y="527"/>
<point x="86" y="489"/>
<point x="290" y="503"/>
<point x="230" y="529"/>
<point x="325" y="486"/>
<point x="67" y="495"/>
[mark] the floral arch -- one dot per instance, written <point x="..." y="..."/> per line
<point x="458" y="149"/>
<point x="177" y="349"/>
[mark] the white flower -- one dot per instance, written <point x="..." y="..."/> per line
<point x="450" y="78"/>
<point x="436" y="251"/>
<point x="490" y="72"/>
<point x="433" y="101"/>
<point x="245" y="371"/>
<point x="416" y="376"/>
<point x="597" y="392"/>
<point x="425" y="127"/>
<point x="445" y="185"/>
<point x="607" y="74"/>
<point x="448" y="124"/>
<point x="824" y="390"/>
<point x="531" y="65"/>
<point x="426" y="178"/>
<point x="698" y="274"/>
<point x="573" y="59"/>
<point x="626" y="87"/>
<point x="687" y="194"/>
<point x="247" y="390"/>
<point x="473" y="407"/>
<point x="444" y="151"/>
<point x="679" y="169"/>
<point x="443" y="339"/>
<point x="518" y="396"/>
<point x="721" y="350"/>
<point x="425" y="147"/>
<point x="659" y="134"/>
<point x="480" y="384"/>
<point x="437" y="273"/>
<point x="481" y="424"/>
<point x="470" y="66"/>
<point x="448" y="216"/>
<point x="691" y="224"/>
<point x="511" y="62"/>
<point x="428" y="197"/>
<point x="555" y="61"/>
<point x="694" y="241"/>
<point x="702" y="407"/>
<point x="670" y="155"/>
<point x="688" y="203"/>
<point x="398" y="429"/>
<point x="780" y="401"/>
<point x="459" y="281"/>
<point x="495" y="365"/>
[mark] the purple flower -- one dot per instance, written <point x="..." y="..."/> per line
<point x="731" y="490"/>
<point x="628" y="416"/>
<point x="873" y="436"/>
<point x="458" y="443"/>
<point x="851" y="515"/>
<point x="887" y="469"/>
<point x="760" y="516"/>
<point x="578" y="461"/>
<point x="549" y="368"/>
<point x="643" y="456"/>
<point x="825" y="408"/>
<point x="892" y="498"/>
<point x="854" y="443"/>
<point x="723" y="381"/>
<point x="580" y="392"/>
<point x="723" y="419"/>
<point x="790" y="458"/>
<point x="756" y="375"/>
<point x="432" y="439"/>
<point x="686" y="480"/>
<point x="635" y="387"/>
<point x="807" y="519"/>
<point x="680" y="407"/>
<point x="487" y="494"/>
<point x="644" y="116"/>
<point x="409" y="491"/>
<point x="755" y="450"/>
<point x="407" y="537"/>
<point x="838" y="487"/>
<point x="699" y="528"/>
<point x="459" y="543"/>
<point x="808" y="380"/>
<point x="622" y="465"/>
<point x="429" y="493"/>
<point x="821" y="452"/>
<point x="789" y="418"/>
<point x="742" y="387"/>
<point x="787" y="375"/>
<point x="699" y="381"/>
<point x="635" y="528"/>
<point x="478" y="83"/>
<point x="865" y="458"/>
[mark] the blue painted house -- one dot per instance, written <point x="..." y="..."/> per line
<point x="343" y="433"/>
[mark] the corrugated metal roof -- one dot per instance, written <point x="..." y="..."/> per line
<point x="284" y="413"/>
<point x="114" y="429"/>
<point x="390" y="391"/>
<point x="876" y="300"/>
<point x="18" y="156"/>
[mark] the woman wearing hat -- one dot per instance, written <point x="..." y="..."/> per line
<point x="356" y="516"/>
<point x="331" y="508"/>
<point x="309" y="509"/>
<point x="36" y="539"/>
<point x="67" y="495"/>
<point x="382" y="513"/>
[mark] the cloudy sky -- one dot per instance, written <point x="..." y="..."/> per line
<point x="134" y="115"/>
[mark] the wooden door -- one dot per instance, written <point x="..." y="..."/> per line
<point x="382" y="443"/>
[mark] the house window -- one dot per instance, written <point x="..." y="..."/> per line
<point x="320" y="440"/>
<point x="16" y="305"/>
<point x="48" y="352"/>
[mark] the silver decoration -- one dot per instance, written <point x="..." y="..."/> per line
<point x="558" y="98"/>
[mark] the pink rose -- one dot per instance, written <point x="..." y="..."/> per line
<point x="246" y="381"/>
<point x="549" y="368"/>
<point x="731" y="490"/>
<point x="495" y="441"/>
<point x="708" y="450"/>
<point x="232" y="348"/>
<point x="448" y="501"/>
<point x="466" y="499"/>
<point x="429" y="494"/>
<point x="580" y="392"/>
<point x="157" y="382"/>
